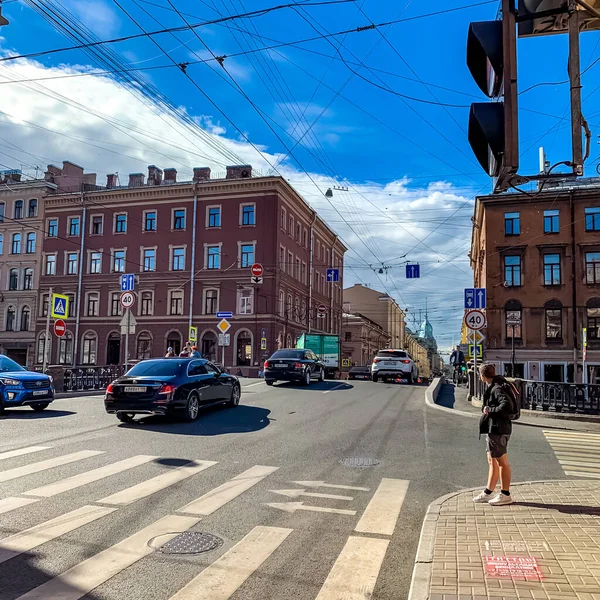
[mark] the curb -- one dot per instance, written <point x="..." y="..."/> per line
<point x="64" y="395"/>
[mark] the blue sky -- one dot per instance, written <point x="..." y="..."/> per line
<point x="407" y="165"/>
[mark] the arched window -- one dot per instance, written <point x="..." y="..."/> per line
<point x="174" y="341"/>
<point x="89" y="348"/>
<point x="144" y="346"/>
<point x="513" y="312"/>
<point x="16" y="244"/>
<point x="19" y="209"/>
<point x="25" y="318"/>
<point x="13" y="279"/>
<point x="281" y="304"/>
<point x="28" y="279"/>
<point x="288" y="341"/>
<point x="33" y="208"/>
<point x="208" y="345"/>
<point x="243" y="348"/>
<point x="30" y="249"/>
<point x="10" y="318"/>
<point x="592" y="309"/>
<point x="65" y="349"/>
<point x="553" y="319"/>
<point x="40" y="349"/>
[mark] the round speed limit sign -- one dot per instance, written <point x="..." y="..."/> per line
<point x="475" y="319"/>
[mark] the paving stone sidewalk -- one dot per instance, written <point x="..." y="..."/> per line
<point x="546" y="546"/>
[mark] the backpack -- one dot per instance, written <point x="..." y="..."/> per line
<point x="513" y="394"/>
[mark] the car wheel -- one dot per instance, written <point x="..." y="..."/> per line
<point x="235" y="396"/>
<point x="192" y="407"/>
<point x="306" y="380"/>
<point x="321" y="375"/>
<point x="40" y="406"/>
<point x="409" y="378"/>
<point x="269" y="381"/>
<point x="125" y="417"/>
<point x="375" y="377"/>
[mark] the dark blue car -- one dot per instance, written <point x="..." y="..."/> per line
<point x="20" y="387"/>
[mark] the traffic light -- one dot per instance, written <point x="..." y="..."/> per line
<point x="547" y="17"/>
<point x="3" y="20"/>
<point x="493" y="126"/>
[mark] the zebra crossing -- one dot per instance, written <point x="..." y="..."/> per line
<point x="353" y="575"/>
<point x="578" y="453"/>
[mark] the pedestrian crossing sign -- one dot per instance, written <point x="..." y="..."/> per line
<point x="472" y="350"/>
<point x="60" y="306"/>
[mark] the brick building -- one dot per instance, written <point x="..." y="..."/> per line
<point x="362" y="338"/>
<point x="190" y="245"/>
<point x="539" y="259"/>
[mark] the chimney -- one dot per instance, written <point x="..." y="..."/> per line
<point x="170" y="175"/>
<point x="13" y="176"/>
<point x="154" y="175"/>
<point x="136" y="179"/>
<point x="201" y="173"/>
<point x="111" y="180"/>
<point x="51" y="172"/>
<point x="239" y="172"/>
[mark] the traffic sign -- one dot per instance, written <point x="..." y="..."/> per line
<point x="475" y="337"/>
<point x="472" y="350"/>
<point x="224" y="339"/>
<point x="60" y="328"/>
<point x="413" y="271"/>
<point x="333" y="275"/>
<point x="474" y="298"/>
<point x="475" y="319"/>
<point x="321" y="310"/>
<point x="224" y="315"/>
<point x="127" y="299"/>
<point x="513" y="321"/>
<point x="60" y="306"/>
<point x="346" y="362"/>
<point x="256" y="280"/>
<point x="193" y="337"/>
<point x="256" y="269"/>
<point x="128" y="282"/>
<point x="223" y="325"/>
<point x="263" y="343"/>
<point x="128" y="321"/>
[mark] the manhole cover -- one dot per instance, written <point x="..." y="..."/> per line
<point x="191" y="542"/>
<point x="359" y="461"/>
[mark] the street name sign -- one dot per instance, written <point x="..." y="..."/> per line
<point x="475" y="298"/>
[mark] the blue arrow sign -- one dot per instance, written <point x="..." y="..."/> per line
<point x="413" y="271"/>
<point x="333" y="275"/>
<point x="127" y="282"/>
<point x="224" y="315"/>
<point x="475" y="298"/>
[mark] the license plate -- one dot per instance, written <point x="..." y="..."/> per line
<point x="389" y="362"/>
<point x="134" y="389"/>
<point x="280" y="366"/>
<point x="40" y="393"/>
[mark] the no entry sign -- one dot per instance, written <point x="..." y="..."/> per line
<point x="256" y="269"/>
<point x="60" y="328"/>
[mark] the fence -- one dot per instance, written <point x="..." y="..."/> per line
<point x="77" y="379"/>
<point x="560" y="397"/>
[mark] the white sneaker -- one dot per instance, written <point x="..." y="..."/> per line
<point x="500" y="500"/>
<point x="483" y="497"/>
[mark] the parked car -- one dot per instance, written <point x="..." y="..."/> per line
<point x="393" y="364"/>
<point x="359" y="373"/>
<point x="170" y="386"/>
<point x="292" y="364"/>
<point x="20" y="387"/>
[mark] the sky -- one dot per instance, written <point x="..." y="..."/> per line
<point x="377" y="115"/>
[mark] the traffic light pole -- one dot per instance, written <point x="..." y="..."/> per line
<point x="575" y="79"/>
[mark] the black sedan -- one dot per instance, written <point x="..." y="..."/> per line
<point x="294" y="365"/>
<point x="170" y="386"/>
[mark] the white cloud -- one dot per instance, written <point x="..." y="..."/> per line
<point x="97" y="16"/>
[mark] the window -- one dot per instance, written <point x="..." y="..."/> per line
<point x="281" y="304"/>
<point x="513" y="311"/>
<point x="245" y="302"/>
<point x="1" y="243"/>
<point x="305" y="237"/>
<point x="50" y="264"/>
<point x="214" y="216"/>
<point x="2" y="211"/>
<point x="290" y="264"/>
<point x="551" y="269"/>
<point x="41" y="347"/>
<point x="97" y="224"/>
<point x="248" y="214"/>
<point x="19" y="209"/>
<point x="92" y="304"/>
<point x="52" y="227"/>
<point x="592" y="219"/>
<point x="33" y="208"/>
<point x="72" y="308"/>
<point x="213" y="257"/>
<point x="115" y="304"/>
<point x="553" y="314"/>
<point x="347" y="336"/>
<point x="297" y="308"/>
<point x="592" y="267"/>
<point x="288" y="306"/>
<point x="45" y="298"/>
<point x="95" y="262"/>
<point x="13" y="279"/>
<point x="512" y="223"/>
<point x="282" y="258"/>
<point x="179" y="218"/>
<point x="593" y="318"/>
<point x="16" y="244"/>
<point x="25" y="318"/>
<point x="28" y="279"/>
<point x="176" y="302"/>
<point x="178" y="263"/>
<point x="147" y="303"/>
<point x="298" y="232"/>
<point x="283" y="218"/>
<point x="89" y="348"/>
<point x="150" y="220"/>
<point x="31" y="239"/>
<point x="149" y="259"/>
<point x="298" y="269"/>
<point x="74" y="226"/>
<point x="121" y="223"/>
<point x="10" y="318"/>
<point x="119" y="261"/>
<point x="144" y="346"/>
<point x="72" y="263"/>
<point x="291" y="226"/>
<point x="65" y="349"/>
<point x="246" y="255"/>
<point x="211" y="302"/>
<point x="303" y="273"/>
<point x="551" y="221"/>
<point x="512" y="271"/>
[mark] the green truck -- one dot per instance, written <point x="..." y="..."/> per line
<point x="326" y="347"/>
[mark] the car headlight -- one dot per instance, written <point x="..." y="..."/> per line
<point x="9" y="381"/>
<point x="51" y="379"/>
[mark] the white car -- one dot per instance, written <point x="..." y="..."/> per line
<point x="393" y="364"/>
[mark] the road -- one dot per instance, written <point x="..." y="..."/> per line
<point x="304" y="541"/>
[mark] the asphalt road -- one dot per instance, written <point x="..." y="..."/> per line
<point x="277" y="437"/>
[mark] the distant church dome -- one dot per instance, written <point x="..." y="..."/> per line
<point x="426" y="330"/>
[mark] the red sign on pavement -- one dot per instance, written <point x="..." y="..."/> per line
<point x="256" y="269"/>
<point x="513" y="567"/>
<point x="60" y="328"/>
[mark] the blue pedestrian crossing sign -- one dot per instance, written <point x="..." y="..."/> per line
<point x="413" y="271"/>
<point x="128" y="282"/>
<point x="475" y="348"/>
<point x="60" y="306"/>
<point x="333" y="275"/>
<point x="474" y="298"/>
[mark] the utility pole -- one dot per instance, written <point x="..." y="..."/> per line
<point x="47" y="339"/>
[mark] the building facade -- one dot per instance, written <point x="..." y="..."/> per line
<point x="361" y="339"/>
<point x="419" y="354"/>
<point x="190" y="246"/>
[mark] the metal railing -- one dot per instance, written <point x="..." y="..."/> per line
<point x="560" y="397"/>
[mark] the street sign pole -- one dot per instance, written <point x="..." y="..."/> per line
<point x="512" y="355"/>
<point x="127" y="338"/>
<point x="584" y="354"/>
<point x="475" y="373"/>
<point x="223" y="354"/>
<point x="47" y="340"/>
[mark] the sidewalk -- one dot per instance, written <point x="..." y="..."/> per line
<point x="546" y="546"/>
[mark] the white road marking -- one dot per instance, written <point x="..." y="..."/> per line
<point x="251" y="385"/>
<point x="575" y="434"/>
<point x="76" y="481"/>
<point x="330" y="485"/>
<point x="44" y="532"/>
<point x="22" y="451"/>
<point x="211" y="501"/>
<point x="160" y="482"/>
<point x="595" y="466"/>
<point x="89" y="574"/>
<point x="583" y="473"/>
<point x="298" y="493"/>
<point x="383" y="510"/>
<point x="47" y="464"/>
<point x="337" y="387"/>
<point x="224" y="577"/>
<point x="577" y="453"/>
<point x="11" y="503"/>
<point x="354" y="574"/>
<point x="292" y="507"/>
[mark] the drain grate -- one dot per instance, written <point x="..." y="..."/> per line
<point x="191" y="542"/>
<point x="359" y="461"/>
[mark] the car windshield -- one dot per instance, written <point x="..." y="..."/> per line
<point x="391" y="354"/>
<point x="288" y="354"/>
<point x="159" y="368"/>
<point x="7" y="365"/>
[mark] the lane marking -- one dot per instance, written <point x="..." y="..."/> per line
<point x="12" y="503"/>
<point x="330" y="485"/>
<point x="550" y="432"/>
<point x="251" y="385"/>
<point x="337" y="387"/>
<point x="354" y="574"/>
<point x="224" y="577"/>
<point x="383" y="510"/>
<point x="211" y="501"/>
<point x="44" y="532"/>
<point x="292" y="507"/>
<point x="76" y="481"/>
<point x="583" y="474"/>
<point x="47" y="464"/>
<point x="23" y="451"/>
<point x="298" y="493"/>
<point x="84" y="577"/>
<point x="584" y="467"/>
<point x="595" y="466"/>
<point x="160" y="482"/>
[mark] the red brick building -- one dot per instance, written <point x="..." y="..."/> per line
<point x="190" y="245"/>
